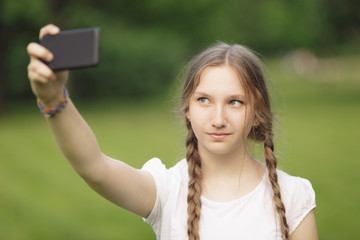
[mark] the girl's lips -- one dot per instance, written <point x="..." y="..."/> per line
<point x="218" y="136"/>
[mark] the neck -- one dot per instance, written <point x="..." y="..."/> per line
<point x="227" y="177"/>
<point x="225" y="164"/>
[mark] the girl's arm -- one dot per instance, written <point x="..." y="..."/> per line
<point x="306" y="229"/>
<point x="127" y="187"/>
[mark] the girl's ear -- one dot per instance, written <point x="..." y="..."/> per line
<point x="187" y="114"/>
<point x="256" y="122"/>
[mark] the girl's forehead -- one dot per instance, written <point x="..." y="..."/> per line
<point x="220" y="79"/>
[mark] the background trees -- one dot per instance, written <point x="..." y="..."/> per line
<point x="145" y="44"/>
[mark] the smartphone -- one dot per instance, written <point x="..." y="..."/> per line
<point x="73" y="49"/>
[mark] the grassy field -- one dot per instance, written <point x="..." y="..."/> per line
<point x="317" y="138"/>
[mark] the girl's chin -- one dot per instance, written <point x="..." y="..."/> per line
<point x="218" y="150"/>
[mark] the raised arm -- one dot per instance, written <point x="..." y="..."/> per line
<point x="127" y="187"/>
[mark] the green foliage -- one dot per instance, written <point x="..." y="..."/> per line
<point x="18" y="13"/>
<point x="145" y="44"/>
<point x="138" y="63"/>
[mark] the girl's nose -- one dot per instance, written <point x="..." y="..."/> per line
<point x="219" y="118"/>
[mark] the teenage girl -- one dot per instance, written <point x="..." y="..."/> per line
<point x="219" y="191"/>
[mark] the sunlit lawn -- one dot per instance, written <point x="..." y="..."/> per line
<point x="317" y="138"/>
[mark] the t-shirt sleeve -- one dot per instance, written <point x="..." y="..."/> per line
<point x="302" y="201"/>
<point x="160" y="174"/>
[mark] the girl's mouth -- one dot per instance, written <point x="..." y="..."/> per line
<point x="219" y="136"/>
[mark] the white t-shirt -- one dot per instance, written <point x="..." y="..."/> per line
<point x="249" y="217"/>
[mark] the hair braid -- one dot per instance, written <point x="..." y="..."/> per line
<point x="194" y="187"/>
<point x="271" y="164"/>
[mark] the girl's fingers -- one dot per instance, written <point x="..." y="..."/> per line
<point x="49" y="29"/>
<point x="43" y="80"/>
<point x="37" y="78"/>
<point x="40" y="69"/>
<point x="38" y="51"/>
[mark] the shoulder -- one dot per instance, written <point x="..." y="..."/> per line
<point x="167" y="178"/>
<point x="298" y="196"/>
<point x="157" y="168"/>
<point x="290" y="182"/>
<point x="293" y="186"/>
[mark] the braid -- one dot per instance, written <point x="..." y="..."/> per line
<point x="195" y="189"/>
<point x="271" y="164"/>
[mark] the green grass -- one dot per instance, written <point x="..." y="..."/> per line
<point x="42" y="197"/>
<point x="318" y="133"/>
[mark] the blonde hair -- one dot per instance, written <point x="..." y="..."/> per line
<point x="249" y="68"/>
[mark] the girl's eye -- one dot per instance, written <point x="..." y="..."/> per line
<point x="235" y="103"/>
<point x="203" y="100"/>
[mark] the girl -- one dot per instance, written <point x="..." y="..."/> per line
<point x="219" y="191"/>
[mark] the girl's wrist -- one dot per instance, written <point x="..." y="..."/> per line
<point x="50" y="108"/>
<point x="54" y="100"/>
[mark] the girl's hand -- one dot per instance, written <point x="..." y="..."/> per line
<point x="47" y="86"/>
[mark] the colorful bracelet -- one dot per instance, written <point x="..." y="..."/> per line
<point x="50" y="112"/>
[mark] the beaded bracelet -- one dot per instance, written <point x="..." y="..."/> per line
<point x="50" y="112"/>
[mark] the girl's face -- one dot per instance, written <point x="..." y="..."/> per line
<point x="219" y="112"/>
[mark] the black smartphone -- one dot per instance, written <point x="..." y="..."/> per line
<point x="73" y="49"/>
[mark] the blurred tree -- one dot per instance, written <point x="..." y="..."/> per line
<point x="3" y="72"/>
<point x="18" y="22"/>
<point x="344" y="20"/>
<point x="144" y="44"/>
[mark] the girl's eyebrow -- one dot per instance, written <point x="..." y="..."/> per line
<point x="242" y="96"/>
<point x="201" y="94"/>
<point x="239" y="95"/>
